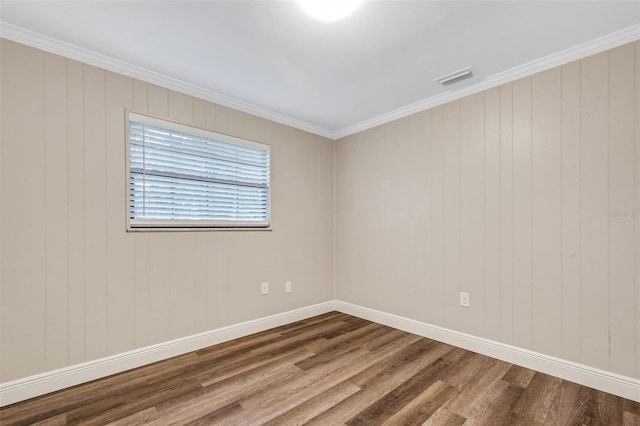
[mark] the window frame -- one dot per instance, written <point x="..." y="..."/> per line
<point x="160" y="225"/>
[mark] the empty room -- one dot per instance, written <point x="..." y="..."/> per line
<point x="352" y="212"/>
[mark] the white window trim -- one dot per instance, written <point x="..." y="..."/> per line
<point x="142" y="225"/>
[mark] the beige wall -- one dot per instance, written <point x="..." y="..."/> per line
<point x="74" y="285"/>
<point x="504" y="194"/>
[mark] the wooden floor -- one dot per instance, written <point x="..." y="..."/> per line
<point x="332" y="369"/>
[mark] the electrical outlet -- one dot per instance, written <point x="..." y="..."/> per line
<point x="287" y="287"/>
<point x="465" y="300"/>
<point x="265" y="288"/>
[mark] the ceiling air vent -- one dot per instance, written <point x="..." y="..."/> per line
<point x="455" y="77"/>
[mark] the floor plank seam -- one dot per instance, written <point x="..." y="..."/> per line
<point x="328" y="370"/>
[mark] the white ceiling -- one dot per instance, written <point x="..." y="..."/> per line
<point x="270" y="58"/>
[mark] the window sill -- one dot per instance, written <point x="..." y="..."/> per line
<point x="191" y="229"/>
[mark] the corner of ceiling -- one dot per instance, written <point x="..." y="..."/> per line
<point x="39" y="41"/>
<point x="71" y="51"/>
<point x="609" y="41"/>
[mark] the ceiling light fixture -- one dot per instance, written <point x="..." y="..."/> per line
<point x="330" y="10"/>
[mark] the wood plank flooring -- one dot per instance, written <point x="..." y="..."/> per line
<point x="333" y="369"/>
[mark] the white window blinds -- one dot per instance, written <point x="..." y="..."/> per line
<point x="187" y="177"/>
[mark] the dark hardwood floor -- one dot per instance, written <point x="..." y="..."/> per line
<point x="333" y="369"/>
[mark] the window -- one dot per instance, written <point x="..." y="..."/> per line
<point x="185" y="177"/>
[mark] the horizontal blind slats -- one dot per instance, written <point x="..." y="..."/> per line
<point x="175" y="176"/>
<point x="244" y="157"/>
<point x="181" y="142"/>
<point x="155" y="162"/>
<point x="151" y="182"/>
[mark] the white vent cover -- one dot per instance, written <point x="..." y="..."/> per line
<point x="455" y="77"/>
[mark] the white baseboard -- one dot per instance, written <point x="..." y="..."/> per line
<point x="606" y="381"/>
<point x="51" y="381"/>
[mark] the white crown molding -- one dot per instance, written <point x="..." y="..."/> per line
<point x="71" y="51"/>
<point x="51" y="381"/>
<point x="616" y="384"/>
<point x="48" y="44"/>
<point x="609" y="41"/>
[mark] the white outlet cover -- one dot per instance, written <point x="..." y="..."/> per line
<point x="265" y="288"/>
<point x="465" y="300"/>
<point x="287" y="287"/>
